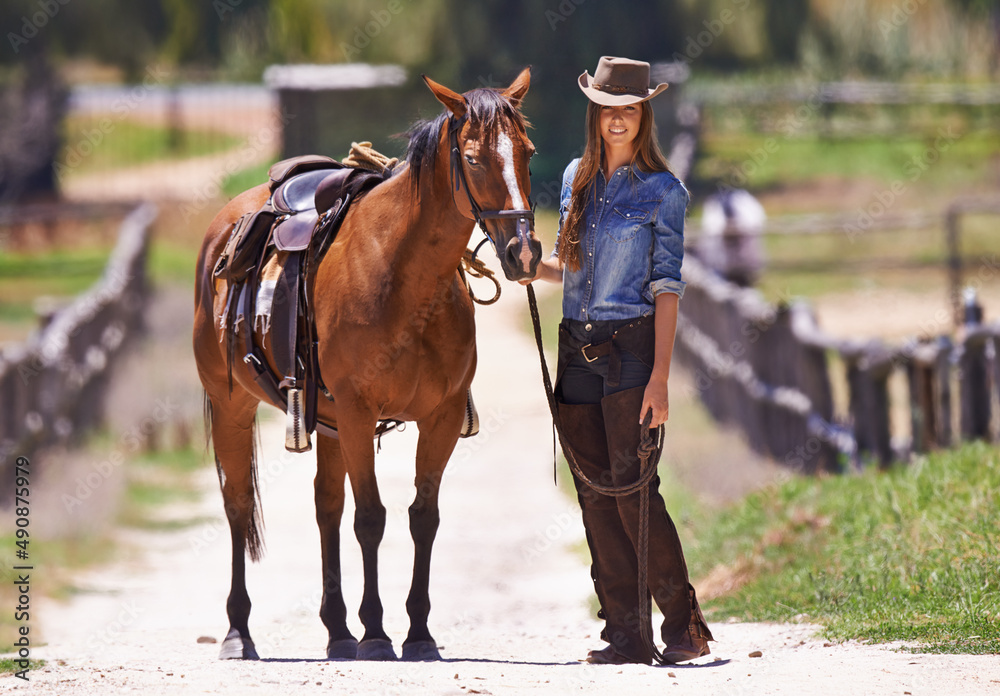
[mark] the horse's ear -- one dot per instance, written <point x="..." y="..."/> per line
<point x="519" y="87"/>
<point x="453" y="101"/>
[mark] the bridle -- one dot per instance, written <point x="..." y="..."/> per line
<point x="525" y="216"/>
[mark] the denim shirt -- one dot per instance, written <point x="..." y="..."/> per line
<point x="631" y="245"/>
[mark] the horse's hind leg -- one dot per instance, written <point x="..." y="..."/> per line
<point x="232" y="421"/>
<point x="329" y="486"/>
<point x="436" y="443"/>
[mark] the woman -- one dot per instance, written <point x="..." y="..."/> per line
<point x="618" y="255"/>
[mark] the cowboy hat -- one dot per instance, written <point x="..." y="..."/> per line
<point x="619" y="81"/>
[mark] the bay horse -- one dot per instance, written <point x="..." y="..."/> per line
<point x="387" y="286"/>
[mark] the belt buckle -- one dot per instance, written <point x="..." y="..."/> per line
<point x="585" y="356"/>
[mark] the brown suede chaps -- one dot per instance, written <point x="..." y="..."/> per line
<point x="604" y="439"/>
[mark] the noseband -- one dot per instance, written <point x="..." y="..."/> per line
<point x="525" y="217"/>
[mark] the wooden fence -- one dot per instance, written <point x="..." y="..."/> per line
<point x="52" y="386"/>
<point x="767" y="371"/>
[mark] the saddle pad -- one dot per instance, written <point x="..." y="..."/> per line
<point x="299" y="193"/>
<point x="295" y="233"/>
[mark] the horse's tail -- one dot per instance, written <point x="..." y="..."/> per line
<point x="254" y="538"/>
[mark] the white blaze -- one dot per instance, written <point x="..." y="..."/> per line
<point x="505" y="148"/>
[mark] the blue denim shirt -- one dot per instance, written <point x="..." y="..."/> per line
<point x="631" y="246"/>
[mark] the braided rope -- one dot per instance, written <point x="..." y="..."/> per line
<point x="364" y="156"/>
<point x="477" y="269"/>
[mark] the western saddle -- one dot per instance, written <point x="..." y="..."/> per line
<point x="310" y="196"/>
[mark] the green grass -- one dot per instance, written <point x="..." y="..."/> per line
<point x="152" y="481"/>
<point x="7" y="665"/>
<point x="90" y="148"/>
<point x="908" y="554"/>
<point x="24" y="277"/>
<point x="245" y="179"/>
<point x="156" y="479"/>
<point x="764" y="162"/>
<point x="55" y="562"/>
<point x="171" y="261"/>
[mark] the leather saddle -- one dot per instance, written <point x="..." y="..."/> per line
<point x="309" y="197"/>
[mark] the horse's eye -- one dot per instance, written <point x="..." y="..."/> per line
<point x="471" y="160"/>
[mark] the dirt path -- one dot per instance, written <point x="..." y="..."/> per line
<point x="510" y="587"/>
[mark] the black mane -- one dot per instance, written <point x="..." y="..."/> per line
<point x="486" y="108"/>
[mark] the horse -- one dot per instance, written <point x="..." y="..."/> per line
<point x="389" y="278"/>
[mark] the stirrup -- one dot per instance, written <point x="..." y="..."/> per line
<point x="471" y="425"/>
<point x="296" y="436"/>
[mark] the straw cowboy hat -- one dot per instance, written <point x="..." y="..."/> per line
<point x="619" y="81"/>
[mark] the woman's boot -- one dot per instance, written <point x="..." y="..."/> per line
<point x="614" y="565"/>
<point x="684" y="629"/>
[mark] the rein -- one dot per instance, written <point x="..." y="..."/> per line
<point x="649" y="452"/>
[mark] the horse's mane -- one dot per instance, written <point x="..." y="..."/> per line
<point x="486" y="108"/>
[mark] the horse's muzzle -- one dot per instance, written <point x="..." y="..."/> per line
<point x="522" y="253"/>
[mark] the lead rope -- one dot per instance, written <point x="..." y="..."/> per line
<point x="477" y="269"/>
<point x="649" y="452"/>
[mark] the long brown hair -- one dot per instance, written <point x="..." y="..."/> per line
<point x="647" y="157"/>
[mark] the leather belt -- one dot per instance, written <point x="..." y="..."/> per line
<point x="592" y="352"/>
<point x="637" y="337"/>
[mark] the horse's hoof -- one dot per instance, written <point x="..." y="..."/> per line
<point x="234" y="647"/>
<point x="376" y="650"/>
<point x="421" y="651"/>
<point x="343" y="649"/>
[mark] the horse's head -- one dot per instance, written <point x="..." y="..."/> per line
<point x="490" y="151"/>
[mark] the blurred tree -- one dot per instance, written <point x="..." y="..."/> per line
<point x="785" y="24"/>
<point x="489" y="42"/>
<point x="32" y="107"/>
<point x="119" y="32"/>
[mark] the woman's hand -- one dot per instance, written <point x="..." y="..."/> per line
<point x="655" y="398"/>
<point x="547" y="269"/>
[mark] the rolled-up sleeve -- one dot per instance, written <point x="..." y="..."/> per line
<point x="668" y="243"/>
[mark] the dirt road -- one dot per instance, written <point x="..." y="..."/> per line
<point x="509" y="586"/>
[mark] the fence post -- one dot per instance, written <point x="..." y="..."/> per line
<point x="813" y="376"/>
<point x="868" y="370"/>
<point x="974" y="386"/>
<point x="929" y="376"/>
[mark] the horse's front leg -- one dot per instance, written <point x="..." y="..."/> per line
<point x="438" y="436"/>
<point x="329" y="487"/>
<point x="358" y="448"/>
